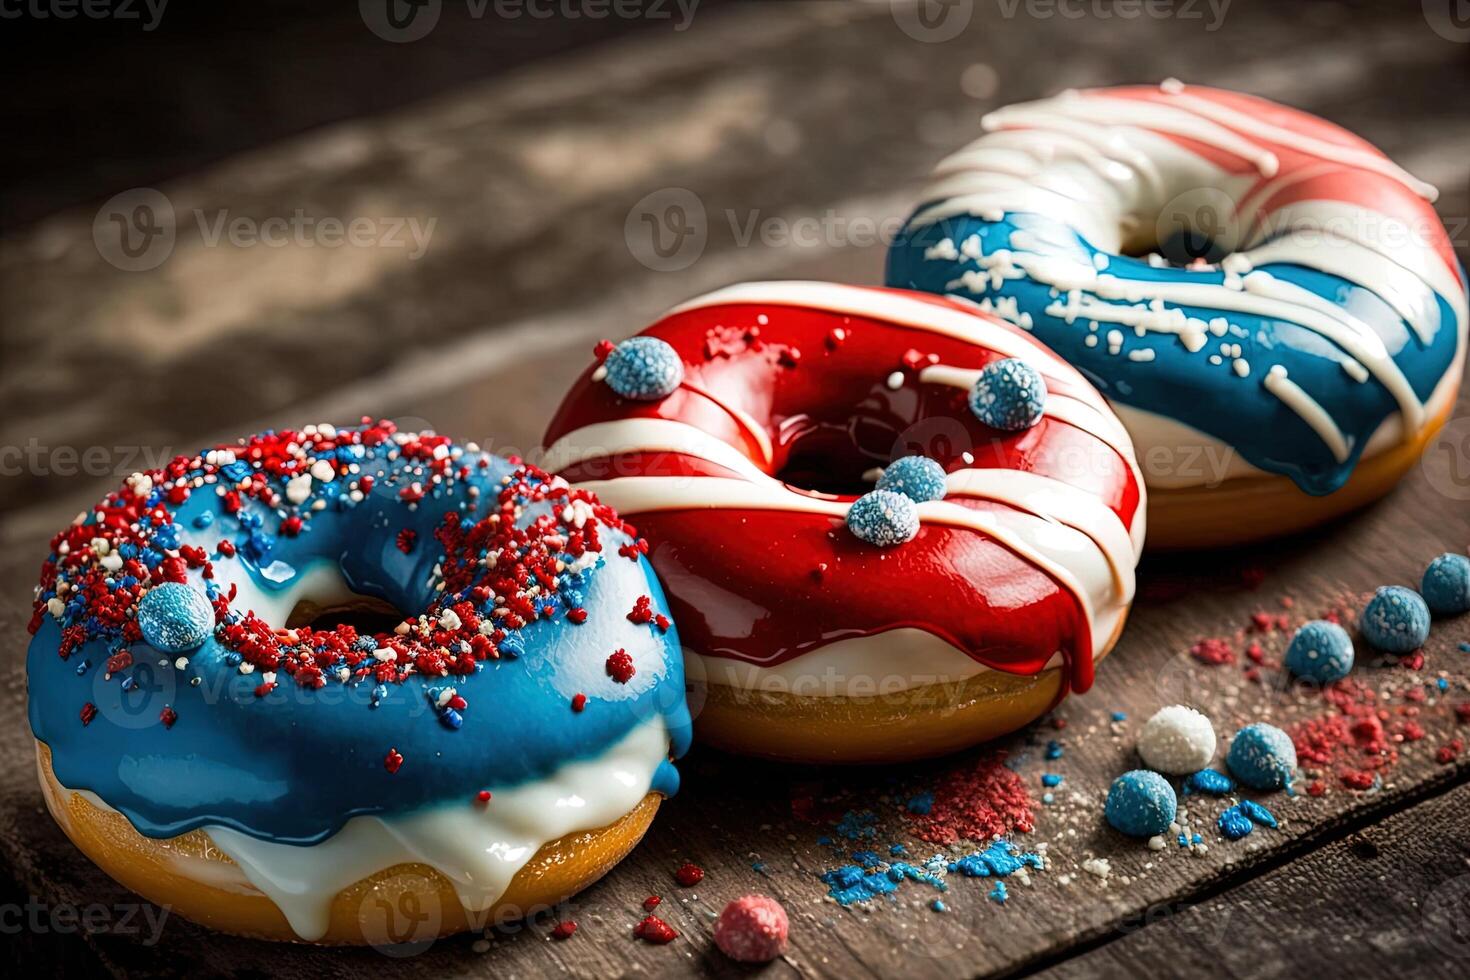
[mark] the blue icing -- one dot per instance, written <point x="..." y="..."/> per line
<point x="295" y="765"/>
<point x="1183" y="385"/>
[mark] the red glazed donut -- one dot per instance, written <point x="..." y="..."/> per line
<point x="759" y="414"/>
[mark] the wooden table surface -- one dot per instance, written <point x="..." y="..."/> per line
<point x="760" y="114"/>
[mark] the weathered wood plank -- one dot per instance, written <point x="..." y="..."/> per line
<point x="529" y="265"/>
<point x="1392" y="892"/>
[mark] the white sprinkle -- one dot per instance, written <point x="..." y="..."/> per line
<point x="182" y="663"/>
<point x="600" y="374"/>
<point x="449" y="619"/>
<point x="298" y="488"/>
<point x="387" y="655"/>
<point x="112" y="562"/>
<point x="1242" y="367"/>
<point x="323" y="471"/>
<point x="55" y="607"/>
<point x="1098" y="866"/>
<point x="895" y="380"/>
<point x="1156" y="843"/>
<point x="1144" y="354"/>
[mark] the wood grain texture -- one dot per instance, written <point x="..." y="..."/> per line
<point x="532" y="178"/>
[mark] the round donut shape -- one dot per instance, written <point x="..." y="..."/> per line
<point x="805" y="641"/>
<point x="1290" y="353"/>
<point x="519" y="648"/>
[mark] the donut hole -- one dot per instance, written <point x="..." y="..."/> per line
<point x="836" y="458"/>
<point x="1199" y="225"/>
<point x="366" y="614"/>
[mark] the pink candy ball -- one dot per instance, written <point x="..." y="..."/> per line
<point x="752" y="929"/>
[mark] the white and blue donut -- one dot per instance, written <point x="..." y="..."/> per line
<point x="1315" y="320"/>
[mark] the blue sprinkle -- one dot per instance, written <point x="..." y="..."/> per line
<point x="365" y="644"/>
<point x="758" y="867"/>
<point x="897" y="849"/>
<point x="998" y="893"/>
<point x="917" y="477"/>
<point x="1446" y="585"/>
<point x="1009" y="395"/>
<point x="451" y="718"/>
<point x="1048" y="798"/>
<point x="1000" y="860"/>
<point x="1234" y="824"/>
<point x="379" y="693"/>
<point x="1320" y="651"/>
<point x="1465" y="647"/>
<point x="1183" y="841"/>
<point x="237" y="471"/>
<point x="1120" y="716"/>
<point x="644" y="368"/>
<point x="1141" y="803"/>
<point x="1257" y="813"/>
<point x="1396" y="620"/>
<point x="204" y="519"/>
<point x="921" y="804"/>
<point x="1262" y="757"/>
<point x="174" y="617"/>
<point x="1443" y="684"/>
<point x="883" y="518"/>
<point x="938" y="905"/>
<point x="129" y="682"/>
<point x="1053" y="749"/>
<point x="1196" y="839"/>
<point x="1050" y="779"/>
<point x="866" y="859"/>
<point x="1211" y="781"/>
<point x="824" y="840"/>
<point x="83" y="667"/>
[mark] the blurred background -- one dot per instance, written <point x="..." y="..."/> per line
<point x="220" y="217"/>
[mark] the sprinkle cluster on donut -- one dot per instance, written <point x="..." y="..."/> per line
<point x="1311" y="314"/>
<point x="750" y="469"/>
<point x="530" y="635"/>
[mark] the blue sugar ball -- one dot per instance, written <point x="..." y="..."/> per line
<point x="1446" y="585"/>
<point x="1009" y="394"/>
<point x="1262" y="757"/>
<point x="1396" y="620"/>
<point x="1320" y="651"/>
<point x="883" y="518"/>
<point x="174" y="617"/>
<point x="918" y="478"/>
<point x="644" y="368"/>
<point x="1141" y="803"/>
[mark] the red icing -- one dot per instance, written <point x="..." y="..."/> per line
<point x="801" y="580"/>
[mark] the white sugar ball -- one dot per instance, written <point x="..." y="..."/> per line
<point x="1177" y="740"/>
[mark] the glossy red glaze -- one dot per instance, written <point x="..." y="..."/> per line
<point x="764" y="586"/>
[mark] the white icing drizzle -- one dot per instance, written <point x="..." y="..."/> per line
<point x="1312" y="413"/>
<point x="478" y="849"/>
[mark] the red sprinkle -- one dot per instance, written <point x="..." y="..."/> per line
<point x="406" y="539"/>
<point x="1449" y="751"/>
<point x="603" y="349"/>
<point x="654" y="930"/>
<point x="642" y="610"/>
<point x="89" y="711"/>
<point x="392" y="761"/>
<point x="577" y="615"/>
<point x="980" y="801"/>
<point x="1213" y="651"/>
<point x="689" y="875"/>
<point x="651" y="902"/>
<point x="579" y="701"/>
<point x="168" y="716"/>
<point x="563" y="930"/>
<point x="620" y="667"/>
<point x="483" y="796"/>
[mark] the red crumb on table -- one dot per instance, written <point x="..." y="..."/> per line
<point x="654" y="930"/>
<point x="651" y="902"/>
<point x="752" y="929"/>
<point x="563" y="930"/>
<point x="977" y="802"/>
<point x="689" y="875"/>
<point x="1449" y="751"/>
<point x="1214" y="651"/>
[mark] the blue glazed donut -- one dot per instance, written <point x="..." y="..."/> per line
<point x="532" y="657"/>
<point x="1311" y="315"/>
